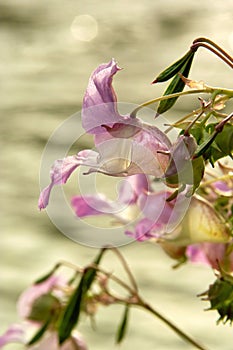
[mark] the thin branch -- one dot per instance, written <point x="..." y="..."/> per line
<point x="220" y="55"/>
<point x="214" y="45"/>
<point x="171" y="325"/>
<point x="166" y="97"/>
<point x="126" y="267"/>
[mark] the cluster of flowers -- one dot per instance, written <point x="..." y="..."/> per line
<point x="39" y="307"/>
<point x="140" y="153"/>
<point x="189" y="214"/>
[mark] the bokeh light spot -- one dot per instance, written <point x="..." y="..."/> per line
<point x="84" y="28"/>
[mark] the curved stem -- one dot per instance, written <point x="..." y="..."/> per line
<point x="171" y="325"/>
<point x="166" y="97"/>
<point x="206" y="40"/>
<point x="221" y="178"/>
<point x="126" y="267"/>
<point x="220" y="55"/>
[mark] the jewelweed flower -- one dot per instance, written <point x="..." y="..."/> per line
<point x="216" y="255"/>
<point x="129" y="192"/>
<point x="124" y="146"/>
<point x="34" y="292"/>
<point x="35" y="305"/>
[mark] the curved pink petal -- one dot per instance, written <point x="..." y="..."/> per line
<point x="155" y="207"/>
<point x="14" y="334"/>
<point x="145" y="229"/>
<point x="212" y="254"/>
<point x="196" y="254"/>
<point x="132" y="187"/>
<point x="92" y="205"/>
<point x="99" y="103"/>
<point x="61" y="171"/>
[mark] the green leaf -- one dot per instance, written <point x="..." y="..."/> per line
<point x="224" y="140"/>
<point x="220" y="296"/>
<point x="198" y="172"/>
<point x="72" y="311"/>
<point x="91" y="273"/>
<point x="121" y="332"/>
<point x="173" y="68"/>
<point x="40" y="332"/>
<point x="45" y="277"/>
<point x="176" y="85"/>
<point x="216" y="145"/>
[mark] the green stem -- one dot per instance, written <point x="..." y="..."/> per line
<point x="171" y="325"/>
<point x="206" y="40"/>
<point x="166" y="97"/>
<point x="221" y="178"/>
<point x="220" y="55"/>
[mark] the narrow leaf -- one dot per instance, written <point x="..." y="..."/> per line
<point x="202" y="148"/>
<point x="121" y="332"/>
<point x="91" y="272"/>
<point x="198" y="172"/>
<point x="46" y="276"/>
<point x="173" y="68"/>
<point x="72" y="312"/>
<point x="176" y="85"/>
<point x="40" y="332"/>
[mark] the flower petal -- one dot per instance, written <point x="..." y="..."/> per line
<point x="61" y="171"/>
<point x="132" y="187"/>
<point x="14" y="334"/>
<point x="155" y="207"/>
<point x="212" y="254"/>
<point x="99" y="103"/>
<point x="92" y="205"/>
<point x="196" y="254"/>
<point x="146" y="229"/>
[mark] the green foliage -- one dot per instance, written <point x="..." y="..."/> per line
<point x="212" y="145"/>
<point x="40" y="332"/>
<point x="46" y="276"/>
<point x="174" y="68"/>
<point x="220" y="296"/>
<point x="73" y="309"/>
<point x="121" y="331"/>
<point x="176" y="85"/>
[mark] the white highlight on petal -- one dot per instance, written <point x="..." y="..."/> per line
<point x="84" y="28"/>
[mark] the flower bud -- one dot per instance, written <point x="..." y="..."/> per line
<point x="203" y="224"/>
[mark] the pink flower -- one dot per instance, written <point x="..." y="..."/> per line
<point x="156" y="212"/>
<point x="215" y="255"/>
<point x="17" y="333"/>
<point x="22" y="332"/>
<point x="125" y="145"/>
<point x="14" y="334"/>
<point x="30" y="295"/>
<point x="129" y="192"/>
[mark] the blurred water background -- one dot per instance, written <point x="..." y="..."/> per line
<point x="47" y="55"/>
